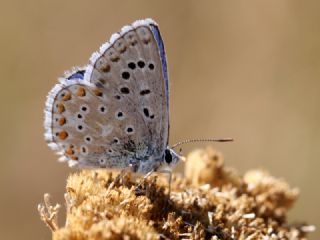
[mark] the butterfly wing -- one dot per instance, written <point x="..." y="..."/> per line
<point x="122" y="101"/>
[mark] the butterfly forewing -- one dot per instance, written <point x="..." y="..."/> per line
<point x="118" y="116"/>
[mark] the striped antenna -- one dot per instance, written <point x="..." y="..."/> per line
<point x="202" y="140"/>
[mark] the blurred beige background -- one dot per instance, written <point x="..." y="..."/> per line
<point x="243" y="69"/>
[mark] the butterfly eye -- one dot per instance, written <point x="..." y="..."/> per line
<point x="167" y="156"/>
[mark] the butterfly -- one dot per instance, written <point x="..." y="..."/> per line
<point x="114" y="112"/>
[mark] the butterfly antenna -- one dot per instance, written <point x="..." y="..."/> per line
<point x="202" y="140"/>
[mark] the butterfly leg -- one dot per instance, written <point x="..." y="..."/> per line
<point x="144" y="178"/>
<point x="148" y="174"/>
<point x="161" y="171"/>
<point x="169" y="172"/>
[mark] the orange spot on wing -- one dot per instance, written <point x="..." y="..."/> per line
<point x="62" y="121"/>
<point x="74" y="158"/>
<point x="67" y="97"/>
<point x="97" y="92"/>
<point x="69" y="151"/>
<point x="81" y="92"/>
<point x="61" y="108"/>
<point x="63" y="135"/>
<point x="105" y="68"/>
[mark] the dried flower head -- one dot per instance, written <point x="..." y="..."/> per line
<point x="211" y="202"/>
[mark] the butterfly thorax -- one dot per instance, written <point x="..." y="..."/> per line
<point x="141" y="157"/>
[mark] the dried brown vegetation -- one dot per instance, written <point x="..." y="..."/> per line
<point x="211" y="202"/>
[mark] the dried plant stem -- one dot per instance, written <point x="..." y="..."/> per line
<point x="49" y="213"/>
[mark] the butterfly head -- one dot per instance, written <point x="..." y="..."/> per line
<point x="171" y="158"/>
